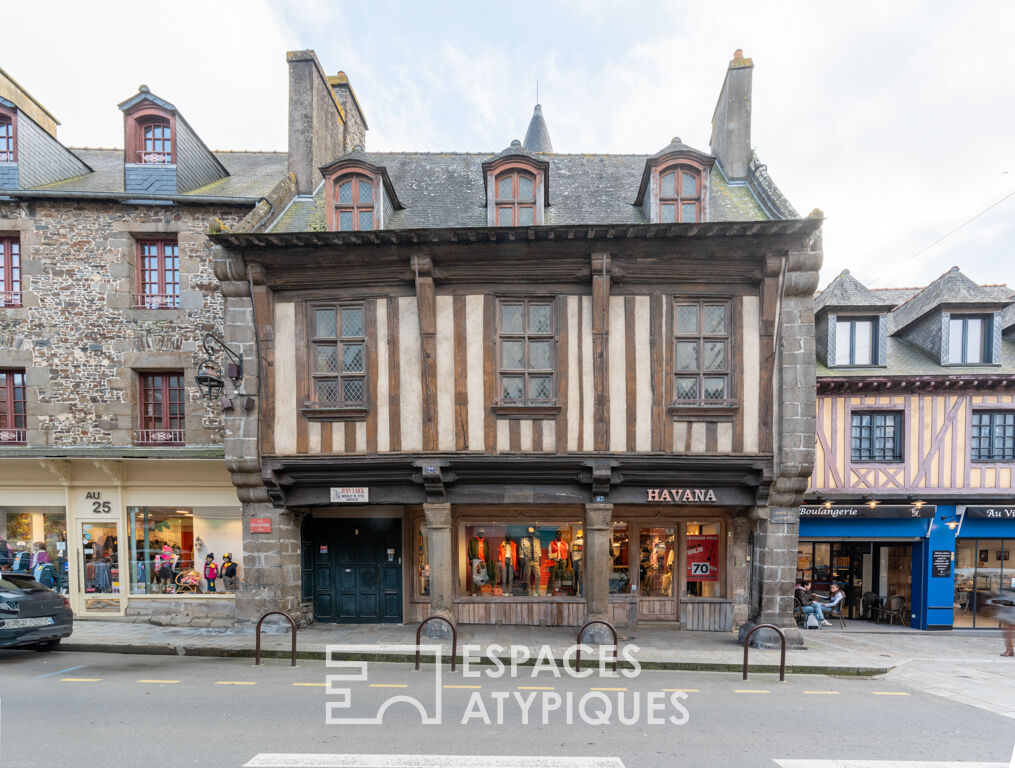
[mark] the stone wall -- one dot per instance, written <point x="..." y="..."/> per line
<point x="77" y="335"/>
<point x="184" y="612"/>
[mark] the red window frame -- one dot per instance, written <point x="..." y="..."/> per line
<point x="155" y="138"/>
<point x="355" y="207"/>
<point x="509" y="208"/>
<point x="10" y="272"/>
<point x="8" y="138"/>
<point x="158" y="274"/>
<point x="161" y="408"/>
<point x="678" y="200"/>
<point x="12" y="407"/>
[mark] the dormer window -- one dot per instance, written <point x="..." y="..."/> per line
<point x="156" y="142"/>
<point x="354" y="203"/>
<point x="7" y="148"/>
<point x="679" y="195"/>
<point x="856" y="341"/>
<point x="969" y="339"/>
<point x="516" y="199"/>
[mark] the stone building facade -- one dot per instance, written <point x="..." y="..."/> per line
<point x="108" y="452"/>
<point x="521" y="387"/>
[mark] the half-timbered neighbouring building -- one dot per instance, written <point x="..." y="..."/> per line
<point x="912" y="491"/>
<point x="521" y="387"/>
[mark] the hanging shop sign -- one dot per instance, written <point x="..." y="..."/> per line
<point x="865" y="510"/>
<point x="681" y="495"/>
<point x="260" y="525"/>
<point x="989" y="512"/>
<point x="703" y="558"/>
<point x="350" y="495"/>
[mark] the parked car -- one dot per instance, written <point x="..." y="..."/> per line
<point x="32" y="616"/>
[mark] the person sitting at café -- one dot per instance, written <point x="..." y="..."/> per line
<point x="802" y="594"/>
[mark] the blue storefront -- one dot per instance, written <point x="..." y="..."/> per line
<point x="944" y="560"/>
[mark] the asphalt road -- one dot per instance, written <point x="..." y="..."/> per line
<point x="110" y="710"/>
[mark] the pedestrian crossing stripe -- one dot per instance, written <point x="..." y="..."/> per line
<point x="80" y="679"/>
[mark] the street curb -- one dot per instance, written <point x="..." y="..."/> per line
<point x="241" y="653"/>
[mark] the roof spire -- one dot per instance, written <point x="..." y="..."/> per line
<point x="537" y="137"/>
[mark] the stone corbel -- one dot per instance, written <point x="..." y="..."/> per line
<point x="59" y="468"/>
<point x="433" y="475"/>
<point x="112" y="469"/>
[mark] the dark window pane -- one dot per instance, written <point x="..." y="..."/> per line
<point x="352" y="321"/>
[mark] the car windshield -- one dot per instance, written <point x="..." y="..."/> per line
<point x="11" y="581"/>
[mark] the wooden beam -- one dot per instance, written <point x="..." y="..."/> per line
<point x="426" y="306"/>
<point x="600" y="361"/>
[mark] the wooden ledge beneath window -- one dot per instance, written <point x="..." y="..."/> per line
<point x="317" y="412"/>
<point x="689" y="411"/>
<point x="526" y="411"/>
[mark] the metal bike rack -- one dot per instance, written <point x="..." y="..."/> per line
<point x="782" y="659"/>
<point x="257" y="645"/>
<point x="454" y="637"/>
<point x="578" y="641"/>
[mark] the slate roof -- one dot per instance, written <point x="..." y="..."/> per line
<point x="845" y="291"/>
<point x="906" y="360"/>
<point x="952" y="287"/>
<point x="537" y="137"/>
<point x="446" y="190"/>
<point x="252" y="174"/>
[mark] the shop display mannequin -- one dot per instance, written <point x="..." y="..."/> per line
<point x="211" y="571"/>
<point x="668" y="569"/>
<point x="558" y="561"/>
<point x="577" y="555"/>
<point x="479" y="560"/>
<point x="229" y="571"/>
<point x="529" y="554"/>
<point x="508" y="563"/>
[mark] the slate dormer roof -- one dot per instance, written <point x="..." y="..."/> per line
<point x="675" y="149"/>
<point x="952" y="288"/>
<point x="359" y="158"/>
<point x="846" y="292"/>
<point x="537" y="137"/>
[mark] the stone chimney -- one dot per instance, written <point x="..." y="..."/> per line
<point x="355" y="123"/>
<point x="316" y="122"/>
<point x="731" y="122"/>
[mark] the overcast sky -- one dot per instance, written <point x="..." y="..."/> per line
<point x="894" y="118"/>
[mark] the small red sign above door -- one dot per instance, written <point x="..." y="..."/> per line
<point x="260" y="525"/>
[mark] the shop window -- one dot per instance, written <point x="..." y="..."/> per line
<point x="983" y="568"/>
<point x="521" y="559"/>
<point x="12" y="407"/>
<point x="620" y="555"/>
<point x="856" y="341"/>
<point x="969" y="339"/>
<point x="34" y="540"/>
<point x="656" y="553"/>
<point x="162" y="408"/>
<point x="680" y="195"/>
<point x="422" y="562"/>
<point x="993" y="436"/>
<point x="701" y="355"/>
<point x="703" y="563"/>
<point x="527" y="351"/>
<point x="158" y="275"/>
<point x="876" y="436"/>
<point x="354" y="203"/>
<point x="156" y="142"/>
<point x="10" y="272"/>
<point x="338" y="356"/>
<point x="168" y="549"/>
<point x="516" y="199"/>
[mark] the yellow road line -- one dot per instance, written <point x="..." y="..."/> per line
<point x="607" y="689"/>
<point x="890" y="693"/>
<point x="748" y="690"/>
<point x="389" y="685"/>
<point x="233" y="682"/>
<point x="167" y="682"/>
<point x="310" y="685"/>
<point x="80" y="679"/>
<point x="468" y="687"/>
<point x="822" y="693"/>
<point x="535" y="688"/>
<point x="681" y="690"/>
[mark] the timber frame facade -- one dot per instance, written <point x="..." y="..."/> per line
<point x="611" y="449"/>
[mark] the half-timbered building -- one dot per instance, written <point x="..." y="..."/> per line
<point x="911" y="496"/>
<point x="521" y="387"/>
